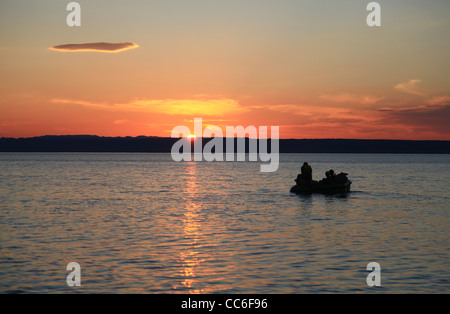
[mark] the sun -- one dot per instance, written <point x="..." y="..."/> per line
<point x="192" y="136"/>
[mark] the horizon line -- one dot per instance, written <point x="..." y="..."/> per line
<point x="224" y="137"/>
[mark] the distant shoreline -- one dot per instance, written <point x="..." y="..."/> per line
<point x="144" y="144"/>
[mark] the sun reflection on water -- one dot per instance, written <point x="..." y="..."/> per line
<point x="189" y="257"/>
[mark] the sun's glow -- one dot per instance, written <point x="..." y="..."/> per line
<point x="192" y="136"/>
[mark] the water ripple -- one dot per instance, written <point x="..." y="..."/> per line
<point x="138" y="223"/>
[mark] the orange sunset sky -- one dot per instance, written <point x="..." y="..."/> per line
<point x="312" y="67"/>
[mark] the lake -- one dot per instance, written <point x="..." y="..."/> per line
<point x="141" y="223"/>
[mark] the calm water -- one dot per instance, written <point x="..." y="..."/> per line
<point x="140" y="223"/>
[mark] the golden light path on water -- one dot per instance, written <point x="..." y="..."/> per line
<point x="189" y="258"/>
<point x="194" y="257"/>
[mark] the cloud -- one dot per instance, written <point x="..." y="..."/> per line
<point x="439" y="100"/>
<point x="424" y="121"/>
<point x="352" y="99"/>
<point x="432" y="117"/>
<point x="429" y="104"/>
<point x="410" y="87"/>
<point x="122" y="121"/>
<point x="188" y="107"/>
<point x="321" y="114"/>
<point x="97" y="47"/>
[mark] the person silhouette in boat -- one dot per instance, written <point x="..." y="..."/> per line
<point x="331" y="176"/>
<point x="306" y="172"/>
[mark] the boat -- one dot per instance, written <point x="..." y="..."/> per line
<point x="316" y="187"/>
<point x="340" y="185"/>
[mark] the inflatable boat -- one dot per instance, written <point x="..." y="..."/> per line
<point x="340" y="184"/>
<point x="324" y="188"/>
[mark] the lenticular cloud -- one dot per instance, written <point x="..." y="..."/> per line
<point x="98" y="47"/>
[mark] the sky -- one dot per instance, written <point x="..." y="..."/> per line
<point x="313" y="67"/>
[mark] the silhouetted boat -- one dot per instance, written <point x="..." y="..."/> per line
<point x="342" y="185"/>
<point x="316" y="187"/>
